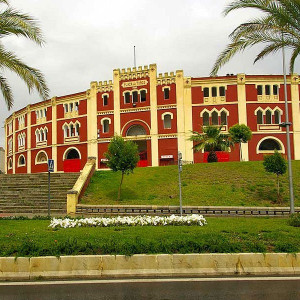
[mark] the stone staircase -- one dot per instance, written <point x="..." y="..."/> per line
<point x="28" y="193"/>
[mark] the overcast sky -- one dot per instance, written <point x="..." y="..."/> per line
<point x="86" y="40"/>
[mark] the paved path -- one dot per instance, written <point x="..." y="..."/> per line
<point x="260" y="288"/>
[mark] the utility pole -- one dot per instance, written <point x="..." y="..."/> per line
<point x="179" y="178"/>
<point x="287" y="125"/>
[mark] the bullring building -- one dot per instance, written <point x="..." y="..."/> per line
<point x="158" y="112"/>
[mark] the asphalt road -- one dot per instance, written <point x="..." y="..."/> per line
<point x="283" y="288"/>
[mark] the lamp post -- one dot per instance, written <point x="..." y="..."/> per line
<point x="287" y="125"/>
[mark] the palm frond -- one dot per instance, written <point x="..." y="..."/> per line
<point x="6" y="92"/>
<point x="16" y="23"/>
<point x="31" y="76"/>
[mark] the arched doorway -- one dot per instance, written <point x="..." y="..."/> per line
<point x="72" y="161"/>
<point x="139" y="130"/>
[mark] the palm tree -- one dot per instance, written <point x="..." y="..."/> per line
<point x="211" y="140"/>
<point x="278" y="27"/>
<point x="12" y="22"/>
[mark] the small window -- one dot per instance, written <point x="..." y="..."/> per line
<point x="45" y="112"/>
<point x="268" y="90"/>
<point x="105" y="100"/>
<point x="206" y="92"/>
<point x="66" y="108"/>
<point x="22" y="160"/>
<point x="65" y="131"/>
<point x="259" y="90"/>
<point x="72" y="132"/>
<point x="127" y="97"/>
<point x="214" y="92"/>
<point x="222" y="91"/>
<point x="71" y="107"/>
<point x="275" y="90"/>
<point x="10" y="163"/>
<point x="42" y="157"/>
<point x="260" y="117"/>
<point x="166" y="93"/>
<point x="214" y="118"/>
<point x="223" y="118"/>
<point x="277" y="117"/>
<point x="77" y="126"/>
<point x="167" y="121"/>
<point x="105" y="126"/>
<point x="135" y="97"/>
<point x="76" y="106"/>
<point x="268" y="117"/>
<point x="205" y="119"/>
<point x="143" y="95"/>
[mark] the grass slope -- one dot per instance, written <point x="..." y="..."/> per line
<point x="232" y="183"/>
<point x="221" y="235"/>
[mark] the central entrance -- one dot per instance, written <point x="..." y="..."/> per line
<point x="139" y="130"/>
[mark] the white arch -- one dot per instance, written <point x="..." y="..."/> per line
<point x="102" y="121"/>
<point x="19" y="160"/>
<point x="167" y="113"/>
<point x="203" y="111"/>
<point x="279" y="109"/>
<point x="69" y="149"/>
<point x="270" y="151"/>
<point x="225" y="110"/>
<point x="132" y="121"/>
<point x="36" y="157"/>
<point x="259" y="109"/>
<point x="214" y="110"/>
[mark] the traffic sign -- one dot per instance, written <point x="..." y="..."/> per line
<point x="50" y="165"/>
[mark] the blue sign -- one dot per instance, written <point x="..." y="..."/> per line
<point x="50" y="165"/>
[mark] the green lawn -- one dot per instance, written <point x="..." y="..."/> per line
<point x="221" y="235"/>
<point x="232" y="183"/>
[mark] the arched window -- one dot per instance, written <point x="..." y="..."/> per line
<point x="72" y="133"/>
<point x="105" y="126"/>
<point x="205" y="118"/>
<point x="214" y="118"/>
<point x="206" y="92"/>
<point x="268" y="117"/>
<point x="105" y="100"/>
<point x="10" y="163"/>
<point x="167" y="121"/>
<point x="277" y="116"/>
<point x="269" y="144"/>
<point x="77" y="126"/>
<point x="66" y="131"/>
<point x="41" y="158"/>
<point x="134" y="97"/>
<point x="72" y="154"/>
<point x="214" y="91"/>
<point x="260" y="119"/>
<point x="222" y="91"/>
<point x="259" y="90"/>
<point x="127" y="97"/>
<point x="136" y="130"/>
<point x="42" y="135"/>
<point x="21" y="161"/>
<point x="223" y="118"/>
<point x="143" y="95"/>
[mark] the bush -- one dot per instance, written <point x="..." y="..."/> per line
<point x="294" y="220"/>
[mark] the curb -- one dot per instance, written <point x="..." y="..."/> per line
<point x="142" y="265"/>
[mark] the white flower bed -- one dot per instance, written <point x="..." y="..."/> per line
<point x="129" y="221"/>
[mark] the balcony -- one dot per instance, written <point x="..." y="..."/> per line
<point x="71" y="139"/>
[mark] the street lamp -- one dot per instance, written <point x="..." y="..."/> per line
<point x="287" y="125"/>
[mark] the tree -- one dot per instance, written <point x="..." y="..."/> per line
<point x="278" y="27"/>
<point x="240" y="133"/>
<point x="275" y="164"/>
<point x="211" y="140"/>
<point x="122" y="156"/>
<point x="12" y="22"/>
